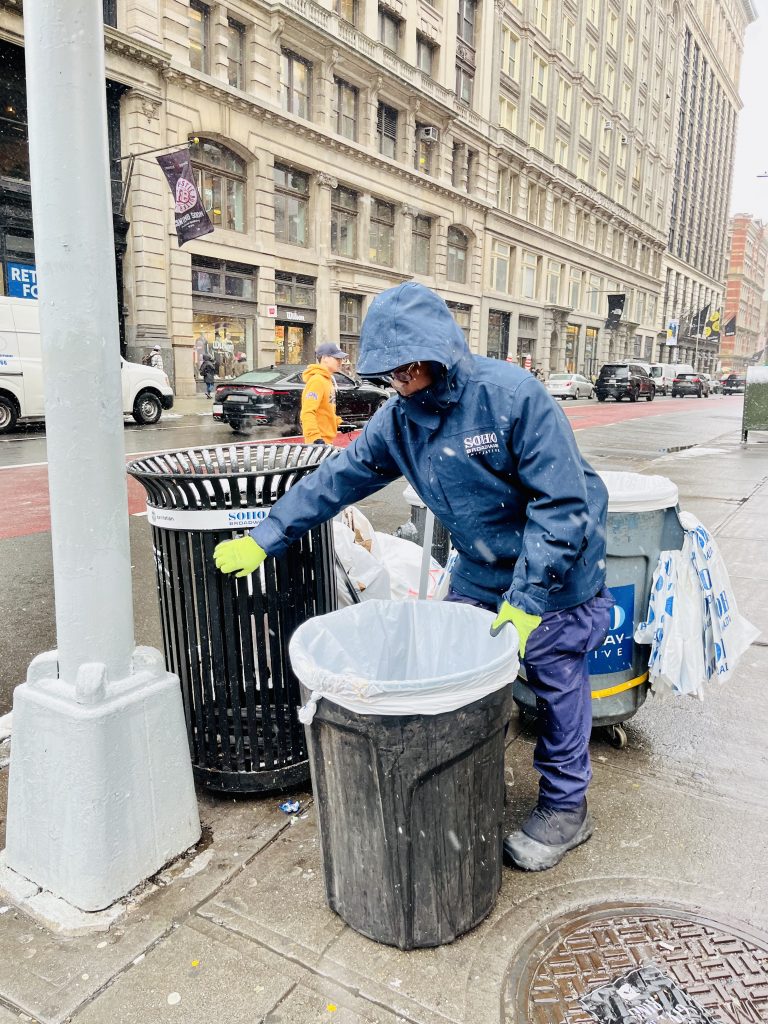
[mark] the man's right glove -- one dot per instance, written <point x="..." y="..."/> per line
<point x="318" y="440"/>
<point x="243" y="554"/>
<point x="522" y="621"/>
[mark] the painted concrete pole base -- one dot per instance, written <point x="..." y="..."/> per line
<point x="100" y="792"/>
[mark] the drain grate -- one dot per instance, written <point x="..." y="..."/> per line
<point x="723" y="967"/>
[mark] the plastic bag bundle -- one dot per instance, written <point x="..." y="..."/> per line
<point x="693" y="624"/>
<point x="402" y="657"/>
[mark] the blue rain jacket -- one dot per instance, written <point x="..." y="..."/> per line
<point x="485" y="447"/>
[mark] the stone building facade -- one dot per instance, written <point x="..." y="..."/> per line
<point x="518" y="156"/>
<point x="746" y="285"/>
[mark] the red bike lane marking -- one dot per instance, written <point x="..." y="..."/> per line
<point x="25" y="502"/>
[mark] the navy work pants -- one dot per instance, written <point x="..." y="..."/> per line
<point x="556" y="669"/>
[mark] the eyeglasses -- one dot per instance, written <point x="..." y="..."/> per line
<point x="404" y="375"/>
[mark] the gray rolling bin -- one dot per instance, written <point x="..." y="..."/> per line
<point x="642" y="522"/>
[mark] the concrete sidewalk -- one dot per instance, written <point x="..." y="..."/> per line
<point x="238" y="931"/>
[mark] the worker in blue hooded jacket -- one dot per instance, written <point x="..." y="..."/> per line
<point x="493" y="456"/>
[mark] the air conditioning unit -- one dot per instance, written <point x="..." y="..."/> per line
<point x="624" y="140"/>
<point x="607" y="126"/>
<point x="429" y="134"/>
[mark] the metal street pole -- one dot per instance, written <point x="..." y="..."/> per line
<point x="101" y="788"/>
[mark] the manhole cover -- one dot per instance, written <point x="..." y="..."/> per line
<point x="721" y="967"/>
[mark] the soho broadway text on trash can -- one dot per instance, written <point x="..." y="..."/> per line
<point x="227" y="638"/>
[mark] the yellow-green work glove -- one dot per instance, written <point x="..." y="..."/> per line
<point x="522" y="621"/>
<point x="243" y="554"/>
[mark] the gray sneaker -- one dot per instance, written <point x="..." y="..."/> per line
<point x="547" y="835"/>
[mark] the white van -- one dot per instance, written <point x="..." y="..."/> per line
<point x="664" y="373"/>
<point x="146" y="391"/>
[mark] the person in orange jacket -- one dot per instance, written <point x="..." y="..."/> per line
<point x="319" y="422"/>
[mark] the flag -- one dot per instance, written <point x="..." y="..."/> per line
<point x="730" y="328"/>
<point x="712" y="328"/>
<point x="698" y="322"/>
<point x="615" y="310"/>
<point x="191" y="218"/>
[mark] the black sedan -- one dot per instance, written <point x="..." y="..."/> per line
<point x="272" y="394"/>
<point x="690" y="384"/>
<point x="734" y="384"/>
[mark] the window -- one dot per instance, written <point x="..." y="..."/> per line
<point x="220" y="176"/>
<point x="554" y="281"/>
<point x="381" y="247"/>
<point x="386" y="129"/>
<point x="422" y="245"/>
<point x="227" y="280"/>
<point x="609" y="83"/>
<point x="621" y="156"/>
<point x="582" y="227"/>
<point x="501" y="264"/>
<point x="626" y="99"/>
<point x="561" y="152"/>
<point x="595" y="292"/>
<point x="507" y="115"/>
<point x="458" y="245"/>
<point x="291" y="205"/>
<point x="346" y="9"/>
<point x="593" y="11"/>
<point x="198" y="36"/>
<point x="620" y="193"/>
<point x="295" y="84"/>
<point x="569" y="31"/>
<point x="350" y="319"/>
<point x="590" y="62"/>
<point x="530" y="274"/>
<point x="236" y="53"/>
<point x="629" y="50"/>
<point x="613" y="27"/>
<point x="535" y="133"/>
<point x="422" y="151"/>
<point x="506" y="190"/>
<point x="425" y="54"/>
<point x="539" y="79"/>
<point x="344" y="222"/>
<point x="510" y="52"/>
<point x="465" y="80"/>
<point x="602" y="181"/>
<point x="582" y="167"/>
<point x="585" y="124"/>
<point x="564" y="92"/>
<point x="462" y="315"/>
<point x="541" y="15"/>
<point x="465" y="26"/>
<point x="574" y="288"/>
<point x="345" y="105"/>
<point x="537" y="204"/>
<point x="560" y="216"/>
<point x="389" y="30"/>
<point x="295" y="290"/>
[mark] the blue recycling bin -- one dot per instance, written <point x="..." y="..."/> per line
<point x="642" y="522"/>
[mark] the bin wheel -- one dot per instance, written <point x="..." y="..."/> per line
<point x="616" y="736"/>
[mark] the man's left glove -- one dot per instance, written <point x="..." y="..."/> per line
<point x="522" y="621"/>
<point x="243" y="554"/>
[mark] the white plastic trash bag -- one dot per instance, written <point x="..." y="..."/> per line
<point x="693" y="624"/>
<point x="367" y="574"/>
<point x="402" y="657"/>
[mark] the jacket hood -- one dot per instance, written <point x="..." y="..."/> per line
<point x="313" y="369"/>
<point x="410" y="324"/>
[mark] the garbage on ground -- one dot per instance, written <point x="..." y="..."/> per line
<point x="694" y="626"/>
<point x="290" y="806"/>
<point x="378" y="565"/>
<point x="402" y="657"/>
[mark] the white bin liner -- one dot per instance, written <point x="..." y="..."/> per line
<point x="635" y="492"/>
<point x="402" y="657"/>
<point x="694" y="627"/>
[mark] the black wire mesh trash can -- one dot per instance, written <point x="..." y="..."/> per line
<point x="227" y="638"/>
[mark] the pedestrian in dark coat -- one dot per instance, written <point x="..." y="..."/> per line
<point x="208" y="373"/>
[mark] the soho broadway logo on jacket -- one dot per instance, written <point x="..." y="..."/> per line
<point x="481" y="444"/>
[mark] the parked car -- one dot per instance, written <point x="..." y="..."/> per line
<point x="569" y="385"/>
<point x="664" y="373"/>
<point x="715" y="387"/>
<point x="146" y="391"/>
<point x="734" y="384"/>
<point x="690" y="384"/>
<point x="272" y="394"/>
<point x="624" y="380"/>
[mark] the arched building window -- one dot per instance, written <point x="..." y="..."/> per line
<point x="458" y="246"/>
<point x="221" y="177"/>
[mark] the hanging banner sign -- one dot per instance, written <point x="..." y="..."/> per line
<point x="615" y="310"/>
<point x="191" y="218"/>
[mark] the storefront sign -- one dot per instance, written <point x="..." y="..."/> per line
<point x="290" y="314"/>
<point x="22" y="280"/>
<point x="190" y="216"/>
<point x="271" y="311"/>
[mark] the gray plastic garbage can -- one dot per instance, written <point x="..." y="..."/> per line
<point x="642" y="522"/>
<point x="414" y="528"/>
<point x="410" y="807"/>
<point x="227" y="638"/>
